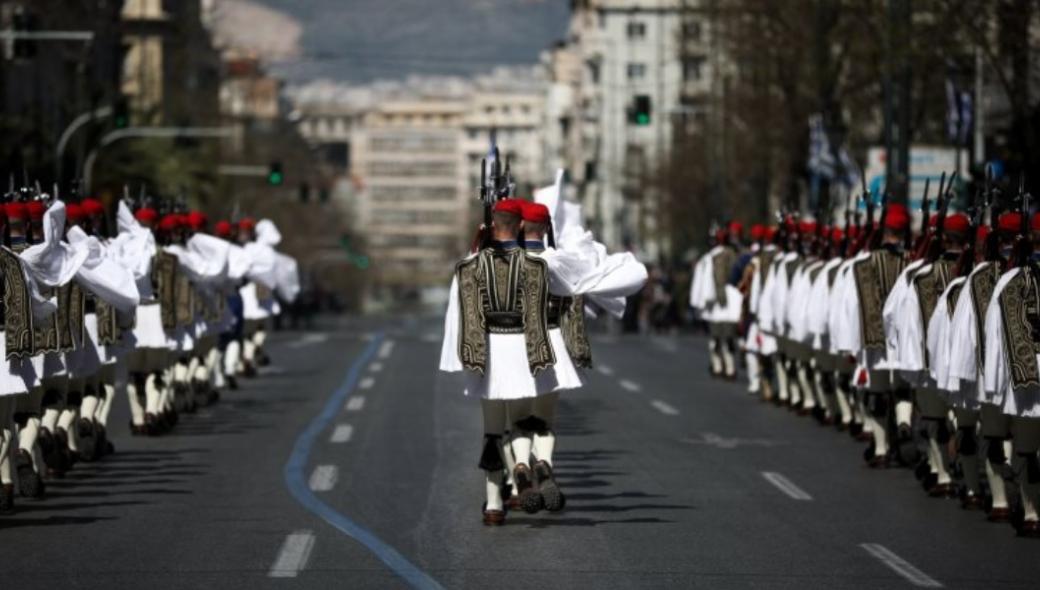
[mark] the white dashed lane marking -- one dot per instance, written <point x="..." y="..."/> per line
<point x="901" y="566"/>
<point x="786" y="486"/>
<point x="324" y="478"/>
<point x="343" y="433"/>
<point x="293" y="555"/>
<point x="308" y="340"/>
<point x="355" y="403"/>
<point x="386" y="349"/>
<point x="666" y="409"/>
<point x="630" y="385"/>
<point x="366" y="383"/>
<point x="375" y="367"/>
<point x="605" y="370"/>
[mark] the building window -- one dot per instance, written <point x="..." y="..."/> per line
<point x="691" y="30"/>
<point x="594" y="72"/>
<point x="691" y="70"/>
<point x="636" y="71"/>
<point x="636" y="30"/>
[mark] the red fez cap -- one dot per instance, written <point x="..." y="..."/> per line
<point x="146" y="215"/>
<point x="74" y="212"/>
<point x="758" y="232"/>
<point x="246" y="223"/>
<point x="197" y="220"/>
<point x="836" y="234"/>
<point x="535" y="212"/>
<point x="897" y="218"/>
<point x="933" y="221"/>
<point x="93" y="207"/>
<point x="736" y="229"/>
<point x="982" y="233"/>
<point x="511" y="206"/>
<point x="807" y="226"/>
<point x="1010" y="222"/>
<point x="853" y="232"/>
<point x="1035" y="222"/>
<point x="16" y="210"/>
<point x="36" y="210"/>
<point x="958" y="223"/>
<point x="170" y="222"/>
<point x="223" y="229"/>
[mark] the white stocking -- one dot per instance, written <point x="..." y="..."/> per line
<point x="545" y="408"/>
<point x="232" y="357"/>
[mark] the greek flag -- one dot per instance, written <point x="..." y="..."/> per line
<point x="821" y="159"/>
<point x="959" y="113"/>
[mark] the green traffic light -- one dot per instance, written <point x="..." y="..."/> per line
<point x="642" y="119"/>
<point x="275" y="179"/>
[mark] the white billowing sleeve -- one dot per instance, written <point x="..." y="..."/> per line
<point x="965" y="339"/>
<point x="995" y="373"/>
<point x="238" y="262"/>
<point x="102" y="275"/>
<point x="288" y="277"/>
<point x="765" y="301"/>
<point x="911" y="335"/>
<point x="450" y="361"/>
<point x="890" y="315"/>
<point x="52" y="263"/>
<point x="848" y="320"/>
<point x="695" y="285"/>
<point x="939" y="341"/>
<point x="262" y="264"/>
<point x="819" y="299"/>
<point x="620" y="275"/>
<point x="134" y="247"/>
<point x="267" y="233"/>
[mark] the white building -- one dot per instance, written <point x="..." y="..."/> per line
<point x="412" y="151"/>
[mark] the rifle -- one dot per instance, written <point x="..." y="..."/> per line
<point x="910" y="246"/>
<point x="991" y="251"/>
<point x="926" y="210"/>
<point x="967" y="258"/>
<point x="1023" y="252"/>
<point x="935" y="244"/>
<point x="875" y="237"/>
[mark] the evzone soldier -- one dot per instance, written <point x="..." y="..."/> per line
<point x="798" y="339"/>
<point x="773" y="307"/>
<point x="861" y="329"/>
<point x="1012" y="378"/>
<point x="966" y="360"/>
<point x="759" y="347"/>
<point x="720" y="302"/>
<point x="504" y="346"/>
<point x="828" y="366"/>
<point x="914" y="314"/>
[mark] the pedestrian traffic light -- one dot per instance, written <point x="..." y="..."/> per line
<point x="121" y="113"/>
<point x="305" y="192"/>
<point x="641" y="110"/>
<point x="274" y="174"/>
<point x="23" y="22"/>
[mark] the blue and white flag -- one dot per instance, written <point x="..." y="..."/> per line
<point x="821" y="159"/>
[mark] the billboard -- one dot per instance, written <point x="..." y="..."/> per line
<point x="926" y="162"/>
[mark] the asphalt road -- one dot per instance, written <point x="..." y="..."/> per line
<point x="351" y="462"/>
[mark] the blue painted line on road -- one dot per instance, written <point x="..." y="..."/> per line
<point x="298" y="483"/>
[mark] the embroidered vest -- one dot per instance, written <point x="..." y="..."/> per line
<point x="572" y="325"/>
<point x="721" y="265"/>
<point x="18" y="320"/>
<point x="981" y="285"/>
<point x="184" y="300"/>
<point x="930" y="286"/>
<point x="164" y="279"/>
<point x="108" y="324"/>
<point x="1020" y="314"/>
<point x="503" y="292"/>
<point x="874" y="278"/>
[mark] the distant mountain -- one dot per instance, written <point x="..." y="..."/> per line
<point x="364" y="40"/>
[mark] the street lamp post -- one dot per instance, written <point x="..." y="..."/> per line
<point x="74" y="126"/>
<point x="149" y="132"/>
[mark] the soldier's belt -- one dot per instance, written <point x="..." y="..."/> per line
<point x="504" y="322"/>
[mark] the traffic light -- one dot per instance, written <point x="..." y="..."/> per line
<point x="23" y="22"/>
<point x="121" y="113"/>
<point x="305" y="192"/>
<point x="640" y="114"/>
<point x="323" y="195"/>
<point x="274" y="174"/>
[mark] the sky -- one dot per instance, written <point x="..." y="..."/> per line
<point x="364" y="40"/>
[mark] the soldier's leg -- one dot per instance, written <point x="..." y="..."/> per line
<point x="968" y="456"/>
<point x="232" y="362"/>
<point x="544" y="445"/>
<point x="754" y="372"/>
<point x="524" y="425"/>
<point x="259" y="340"/>
<point x="29" y="461"/>
<point x="1026" y="439"/>
<point x="841" y="398"/>
<point x="729" y="364"/>
<point x="715" y="356"/>
<point x="793" y="386"/>
<point x="68" y="418"/>
<point x="782" y="386"/>
<point x="935" y="426"/>
<point x="767" y="373"/>
<point x="491" y="459"/>
<point x="995" y="431"/>
<point x="54" y="440"/>
<point x="805" y="384"/>
<point x="7" y="405"/>
<point x="86" y="430"/>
